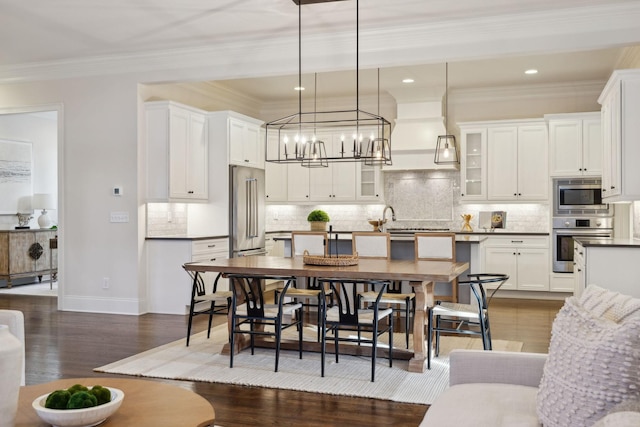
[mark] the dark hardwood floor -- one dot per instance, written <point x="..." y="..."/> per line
<point x="70" y="344"/>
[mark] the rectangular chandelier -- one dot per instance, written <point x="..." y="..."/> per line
<point x="297" y="138"/>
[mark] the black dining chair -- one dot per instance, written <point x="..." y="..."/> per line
<point x="215" y="302"/>
<point x="250" y="315"/>
<point x="347" y="316"/>
<point x="466" y="319"/>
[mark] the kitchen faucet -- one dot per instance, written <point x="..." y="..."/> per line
<point x="381" y="227"/>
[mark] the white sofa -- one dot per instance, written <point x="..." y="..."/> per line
<point x="489" y="388"/>
<point x="15" y="320"/>
<point x="591" y="376"/>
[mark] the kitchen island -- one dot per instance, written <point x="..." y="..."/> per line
<point x="609" y="263"/>
<point x="402" y="248"/>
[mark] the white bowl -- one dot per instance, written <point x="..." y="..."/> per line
<point x="86" y="417"/>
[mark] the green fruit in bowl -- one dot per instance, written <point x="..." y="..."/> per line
<point x="82" y="399"/>
<point x="58" y="399"/>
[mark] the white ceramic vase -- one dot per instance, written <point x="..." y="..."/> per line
<point x="11" y="374"/>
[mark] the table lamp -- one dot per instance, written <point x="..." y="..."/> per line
<point x="43" y="201"/>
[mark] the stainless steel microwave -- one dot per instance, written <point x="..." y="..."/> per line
<point x="579" y="195"/>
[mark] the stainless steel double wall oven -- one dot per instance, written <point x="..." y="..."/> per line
<point x="578" y="210"/>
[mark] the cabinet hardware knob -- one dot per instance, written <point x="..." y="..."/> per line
<point x="246" y="160"/>
<point x="514" y="253"/>
<point x="462" y="195"/>
<point x="580" y="169"/>
<point x="612" y="187"/>
<point x="190" y="192"/>
<point x="519" y="194"/>
<point x="579" y="270"/>
<point x="211" y="246"/>
<point x="515" y="194"/>
<point x="212" y="259"/>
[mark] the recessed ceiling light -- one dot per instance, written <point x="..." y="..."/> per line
<point x="407" y="80"/>
<point x="298" y="88"/>
<point x="531" y="71"/>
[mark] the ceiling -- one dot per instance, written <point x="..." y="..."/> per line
<point x="42" y="33"/>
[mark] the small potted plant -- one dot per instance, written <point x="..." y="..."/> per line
<point x="318" y="220"/>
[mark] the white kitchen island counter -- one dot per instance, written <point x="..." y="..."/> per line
<point x="609" y="263"/>
<point x="402" y="247"/>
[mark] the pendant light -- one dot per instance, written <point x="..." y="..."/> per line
<point x="447" y="151"/>
<point x="310" y="152"/>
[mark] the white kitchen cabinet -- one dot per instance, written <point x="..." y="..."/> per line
<point x="473" y="164"/>
<point x="177" y="148"/>
<point x="610" y="265"/>
<point x="243" y="137"/>
<point x="620" y="102"/>
<point x="275" y="176"/>
<point x="169" y="285"/>
<point x="563" y="282"/>
<point x="524" y="258"/>
<point x="504" y="161"/>
<point x="337" y="182"/>
<point x="517" y="164"/>
<point x="297" y="183"/>
<point x="575" y="144"/>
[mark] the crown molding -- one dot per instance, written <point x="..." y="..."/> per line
<point x="582" y="28"/>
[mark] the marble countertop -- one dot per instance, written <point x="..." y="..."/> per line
<point x="342" y="235"/>
<point x="610" y="243"/>
<point x="185" y="237"/>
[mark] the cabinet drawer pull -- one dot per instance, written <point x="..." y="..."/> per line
<point x="211" y="246"/>
<point x="516" y="241"/>
<point x="212" y="259"/>
<point x="190" y="192"/>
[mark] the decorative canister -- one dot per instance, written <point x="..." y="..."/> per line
<point x="11" y="374"/>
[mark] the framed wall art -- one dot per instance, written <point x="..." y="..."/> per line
<point x="16" y="176"/>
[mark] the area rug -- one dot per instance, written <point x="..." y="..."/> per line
<point x="202" y="361"/>
<point x="38" y="289"/>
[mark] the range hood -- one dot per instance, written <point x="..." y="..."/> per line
<point x="415" y="134"/>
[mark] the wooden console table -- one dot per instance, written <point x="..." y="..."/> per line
<point x="146" y="403"/>
<point x="27" y="253"/>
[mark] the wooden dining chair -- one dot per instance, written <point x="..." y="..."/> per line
<point x="347" y="316"/>
<point x="248" y="308"/>
<point x="214" y="301"/>
<point x="438" y="247"/>
<point x="375" y="245"/>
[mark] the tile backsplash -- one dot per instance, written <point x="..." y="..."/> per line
<point x="420" y="199"/>
<point x="166" y="219"/>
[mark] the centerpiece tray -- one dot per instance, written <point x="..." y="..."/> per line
<point x="333" y="260"/>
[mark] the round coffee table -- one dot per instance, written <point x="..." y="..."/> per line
<point x="146" y="403"/>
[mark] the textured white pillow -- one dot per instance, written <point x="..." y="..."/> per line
<point x="594" y="359"/>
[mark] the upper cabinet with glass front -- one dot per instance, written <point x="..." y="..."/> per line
<point x="473" y="171"/>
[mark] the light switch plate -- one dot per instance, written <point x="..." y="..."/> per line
<point x="119" y="216"/>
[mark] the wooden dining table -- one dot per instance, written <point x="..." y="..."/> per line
<point x="421" y="275"/>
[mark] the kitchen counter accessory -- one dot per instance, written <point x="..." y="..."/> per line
<point x="467" y="219"/>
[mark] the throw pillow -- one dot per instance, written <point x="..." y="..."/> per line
<point x="594" y="359"/>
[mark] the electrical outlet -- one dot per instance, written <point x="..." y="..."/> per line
<point x="275" y="215"/>
<point x="105" y="283"/>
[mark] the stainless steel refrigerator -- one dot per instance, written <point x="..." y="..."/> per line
<point x="246" y="211"/>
